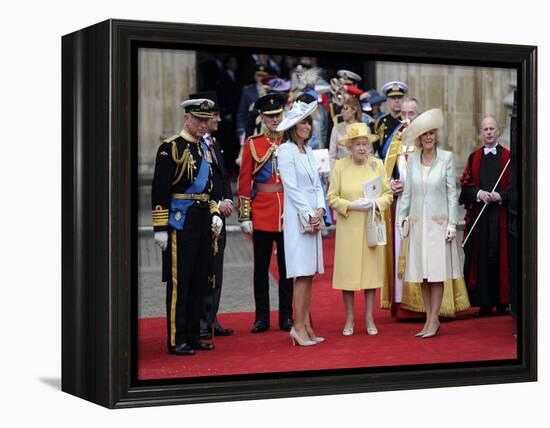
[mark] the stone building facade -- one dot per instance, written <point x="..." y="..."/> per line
<point x="465" y="94"/>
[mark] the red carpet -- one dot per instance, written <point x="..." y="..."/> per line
<point x="461" y="340"/>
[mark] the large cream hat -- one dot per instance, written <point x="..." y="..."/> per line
<point x="431" y="119"/>
<point x="296" y="114"/>
<point x="357" y="130"/>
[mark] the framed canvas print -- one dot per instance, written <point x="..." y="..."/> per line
<point x="193" y="261"/>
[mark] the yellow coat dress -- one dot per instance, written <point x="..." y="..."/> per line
<point x="356" y="266"/>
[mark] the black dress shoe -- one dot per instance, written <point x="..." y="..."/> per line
<point x="484" y="311"/>
<point x="502" y="310"/>
<point x="286" y="324"/>
<point x="205" y="334"/>
<point x="259" y="327"/>
<point x="220" y="331"/>
<point x="183" y="349"/>
<point x="201" y="346"/>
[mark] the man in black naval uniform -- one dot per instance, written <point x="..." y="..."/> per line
<point x="222" y="195"/>
<point x="389" y="123"/>
<point x="184" y="220"/>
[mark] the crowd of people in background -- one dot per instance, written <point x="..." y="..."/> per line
<point x="390" y="190"/>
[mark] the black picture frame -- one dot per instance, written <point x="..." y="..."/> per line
<point x="98" y="234"/>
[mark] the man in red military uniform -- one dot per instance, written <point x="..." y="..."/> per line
<point x="261" y="209"/>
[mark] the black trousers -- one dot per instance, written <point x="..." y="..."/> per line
<point x="188" y="258"/>
<point x="213" y="293"/>
<point x="263" y="247"/>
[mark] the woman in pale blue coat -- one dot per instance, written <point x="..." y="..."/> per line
<point x="428" y="216"/>
<point x="302" y="218"/>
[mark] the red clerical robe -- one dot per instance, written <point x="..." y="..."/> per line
<point x="486" y="252"/>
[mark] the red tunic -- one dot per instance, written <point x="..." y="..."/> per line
<point x="258" y="165"/>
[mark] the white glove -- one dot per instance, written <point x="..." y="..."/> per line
<point x="404" y="228"/>
<point x="217" y="224"/>
<point x="362" y="204"/>
<point x="246" y="226"/>
<point x="451" y="232"/>
<point x="161" y="239"/>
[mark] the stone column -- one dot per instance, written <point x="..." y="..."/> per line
<point x="166" y="77"/>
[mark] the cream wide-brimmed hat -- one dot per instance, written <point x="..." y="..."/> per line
<point x="298" y="112"/>
<point x="431" y="119"/>
<point x="357" y="130"/>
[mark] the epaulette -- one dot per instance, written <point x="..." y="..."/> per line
<point x="172" y="138"/>
<point x="260" y="161"/>
<point x="380" y="119"/>
<point x="253" y="137"/>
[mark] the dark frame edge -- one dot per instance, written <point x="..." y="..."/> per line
<point x="86" y="314"/>
<point x="529" y="193"/>
<point x="140" y="397"/>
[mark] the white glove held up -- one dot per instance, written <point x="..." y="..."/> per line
<point x="451" y="232"/>
<point x="161" y="239"/>
<point x="246" y="226"/>
<point x="217" y="224"/>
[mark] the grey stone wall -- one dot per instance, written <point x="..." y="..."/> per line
<point x="465" y="94"/>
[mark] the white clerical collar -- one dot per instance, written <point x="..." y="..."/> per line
<point x="493" y="150"/>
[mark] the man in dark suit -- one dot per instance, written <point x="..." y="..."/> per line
<point x="221" y="193"/>
<point x="229" y="92"/>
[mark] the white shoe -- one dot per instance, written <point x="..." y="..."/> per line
<point x="347" y="331"/>
<point x="301" y="342"/>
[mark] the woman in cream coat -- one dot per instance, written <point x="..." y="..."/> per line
<point x="356" y="265"/>
<point x="428" y="215"/>
<point x="303" y="205"/>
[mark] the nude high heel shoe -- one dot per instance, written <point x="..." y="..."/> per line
<point x="421" y="333"/>
<point x="301" y="342"/>
<point x="432" y="334"/>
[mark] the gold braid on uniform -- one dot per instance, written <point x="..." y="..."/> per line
<point x="392" y="154"/>
<point x="160" y="216"/>
<point x="213" y="205"/>
<point x="185" y="163"/>
<point x="380" y="129"/>
<point x="259" y="160"/>
<point x="215" y="246"/>
<point x="245" y="209"/>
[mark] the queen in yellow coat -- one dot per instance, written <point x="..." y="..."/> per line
<point x="356" y="265"/>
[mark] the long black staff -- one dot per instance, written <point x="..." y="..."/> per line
<point x="483" y="209"/>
